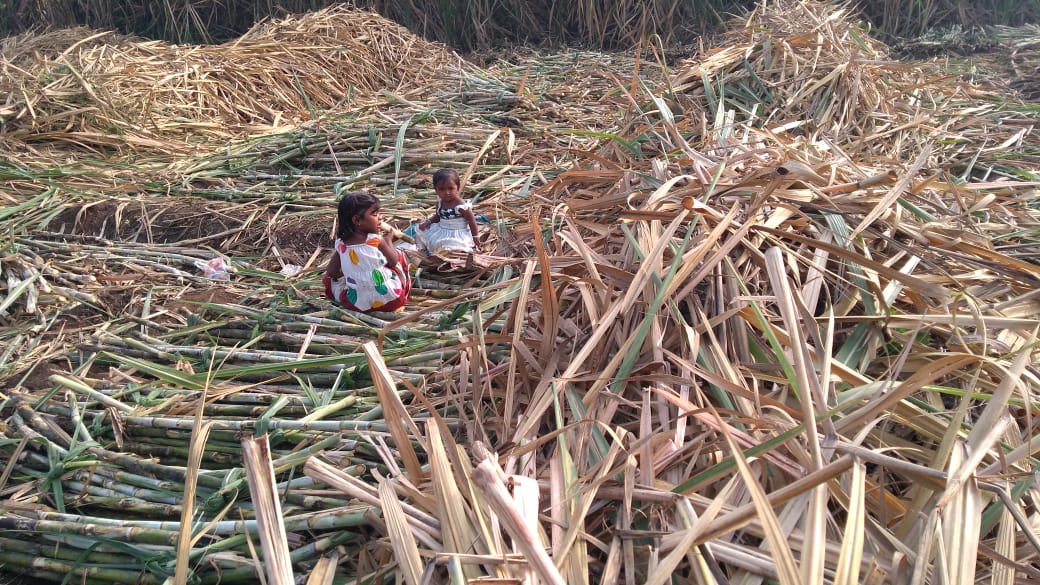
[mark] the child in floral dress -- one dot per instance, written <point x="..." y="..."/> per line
<point x="366" y="272"/>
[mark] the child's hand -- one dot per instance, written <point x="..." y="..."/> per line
<point x="424" y="225"/>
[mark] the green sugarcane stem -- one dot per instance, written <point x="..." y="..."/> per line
<point x="213" y="354"/>
<point x="171" y="453"/>
<point x="298" y="555"/>
<point x="82" y="434"/>
<point x="250" y="426"/>
<point x="29" y="423"/>
<point x="361" y="395"/>
<point x="65" y="553"/>
<point x="310" y="502"/>
<point x="41" y="575"/>
<point x="293" y="334"/>
<point x="123" y="504"/>
<point x="82" y="388"/>
<point x="372" y="325"/>
<point x="263" y="394"/>
<point x="163" y="525"/>
<point x="225" y="437"/>
<point x="145" y="467"/>
<point x="299" y="456"/>
<point x="42" y="466"/>
<point x="321" y="545"/>
<point x="126" y="251"/>
<point x="330" y="409"/>
<point x="213" y="446"/>
<point x="422" y="358"/>
<point x="97" y="573"/>
<point x="52" y="522"/>
<point x="125" y="478"/>
<point x="124" y="534"/>
<point x="302" y="324"/>
<point x="130" y="492"/>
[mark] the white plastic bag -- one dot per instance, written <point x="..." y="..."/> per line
<point x="290" y="270"/>
<point x="215" y="269"/>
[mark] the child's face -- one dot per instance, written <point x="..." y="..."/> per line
<point x="369" y="221"/>
<point x="447" y="190"/>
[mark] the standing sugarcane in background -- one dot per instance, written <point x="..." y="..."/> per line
<point x="366" y="272"/>
<point x="453" y="227"/>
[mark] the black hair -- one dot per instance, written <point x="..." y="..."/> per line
<point x="351" y="206"/>
<point x="446" y="175"/>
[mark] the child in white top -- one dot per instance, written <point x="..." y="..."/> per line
<point x="366" y="272"/>
<point x="453" y="227"/>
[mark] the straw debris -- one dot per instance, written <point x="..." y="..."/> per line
<point x="79" y="85"/>
<point x="770" y="314"/>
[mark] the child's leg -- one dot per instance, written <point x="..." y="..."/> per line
<point x="406" y="284"/>
<point x="404" y="274"/>
<point x="331" y="293"/>
<point x="326" y="281"/>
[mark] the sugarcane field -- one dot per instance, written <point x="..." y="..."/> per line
<point x="761" y="309"/>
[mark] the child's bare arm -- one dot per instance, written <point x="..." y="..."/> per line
<point x="386" y="246"/>
<point x="471" y="219"/>
<point x="435" y="218"/>
<point x="334" y="270"/>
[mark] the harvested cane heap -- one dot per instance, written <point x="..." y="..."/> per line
<point x="767" y="312"/>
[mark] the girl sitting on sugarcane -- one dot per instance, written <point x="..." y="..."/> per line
<point x="366" y="272"/>
<point x="453" y="227"/>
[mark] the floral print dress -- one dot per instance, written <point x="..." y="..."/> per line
<point x="368" y="284"/>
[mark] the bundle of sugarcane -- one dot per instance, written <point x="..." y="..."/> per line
<point x="110" y="464"/>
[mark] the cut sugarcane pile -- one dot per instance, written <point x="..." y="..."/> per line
<point x="771" y="315"/>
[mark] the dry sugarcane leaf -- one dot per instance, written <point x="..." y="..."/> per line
<point x="256" y="453"/>
<point x="406" y="550"/>
<point x="397" y="417"/>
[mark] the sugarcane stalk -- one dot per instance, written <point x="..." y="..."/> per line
<point x="64" y="553"/>
<point x="127" y="461"/>
<point x="128" y="481"/>
<point x="487" y="477"/>
<point x="32" y="295"/>
<point x="330" y="409"/>
<point x="329" y="475"/>
<point x="124" y="534"/>
<point x="73" y="294"/>
<point x="212" y="446"/>
<point x="36" y="429"/>
<point x="436" y="357"/>
<point x="350" y="516"/>
<point x="88" y="573"/>
<point x="125" y="492"/>
<point x="82" y="388"/>
<point x="249" y="425"/>
<point x="300" y="554"/>
<point x="309" y="501"/>
<point x="273" y="540"/>
<point x="179" y="455"/>
<point x="123" y="504"/>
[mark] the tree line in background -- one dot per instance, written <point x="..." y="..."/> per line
<point x="469" y="25"/>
